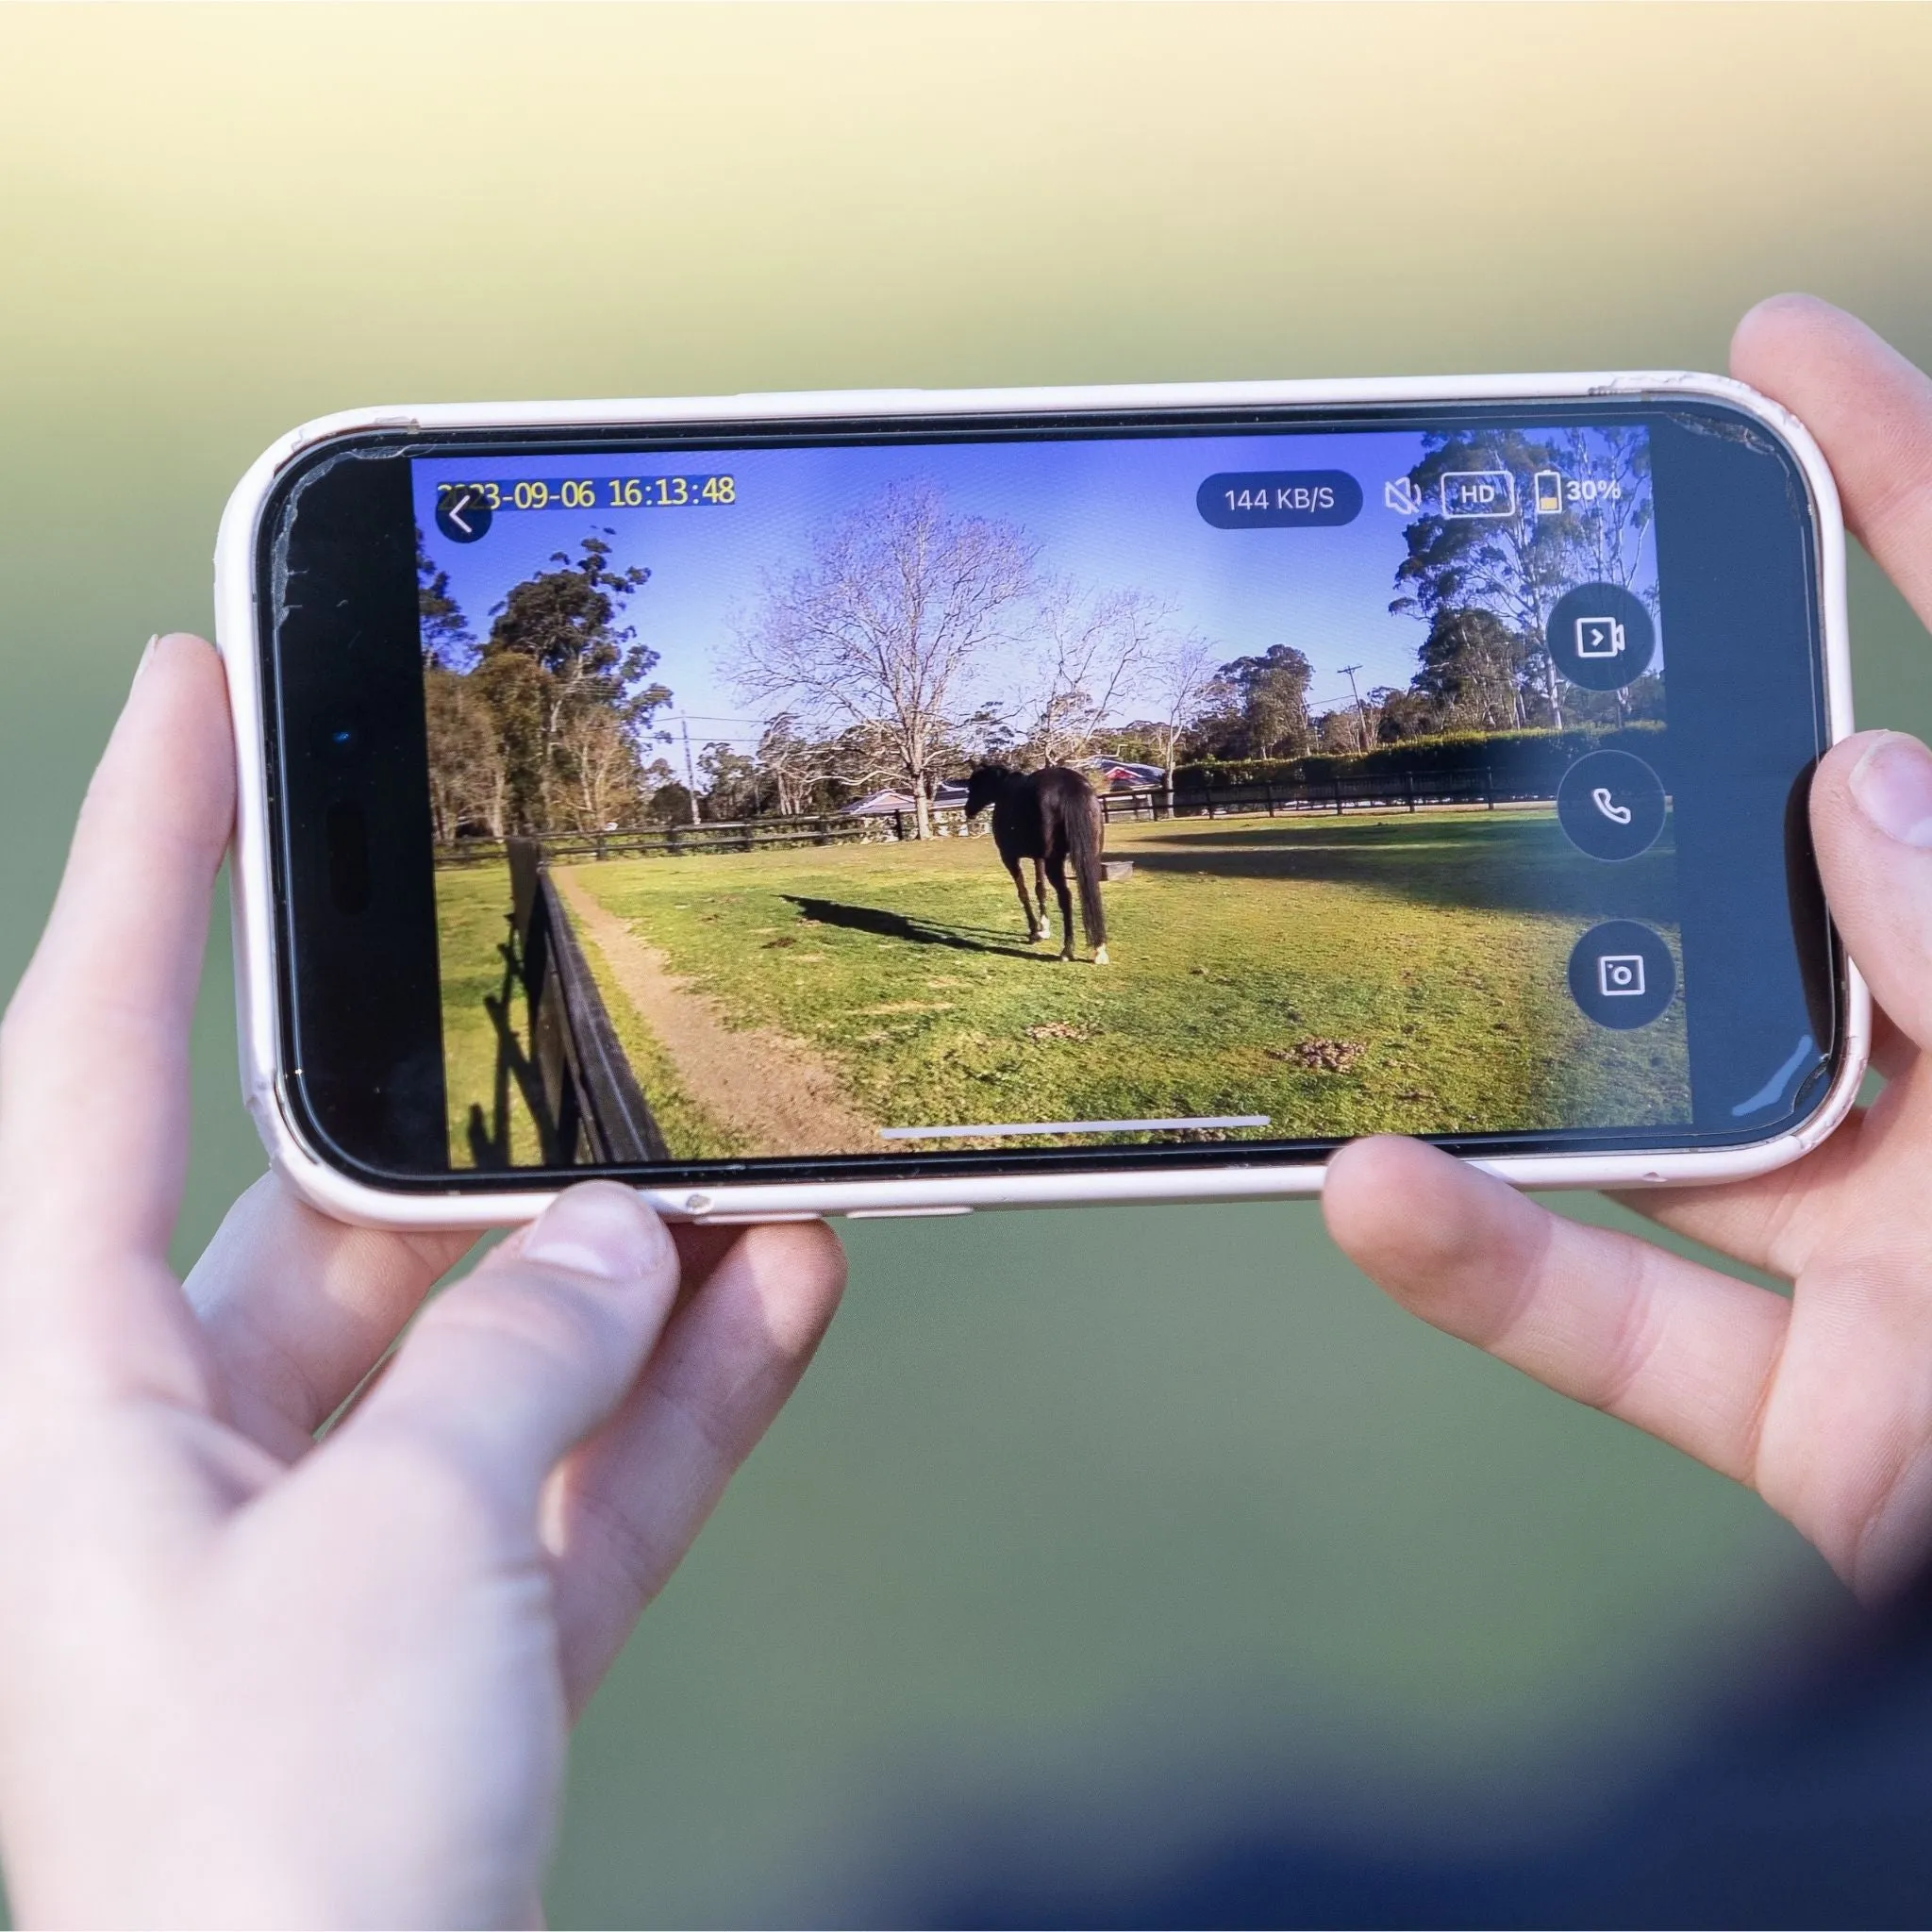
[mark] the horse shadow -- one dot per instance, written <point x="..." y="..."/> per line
<point x="919" y="932"/>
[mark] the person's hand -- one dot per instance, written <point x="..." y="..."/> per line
<point x="1822" y="1402"/>
<point x="245" y="1677"/>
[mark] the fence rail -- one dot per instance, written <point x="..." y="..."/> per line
<point x="586" y="1101"/>
<point x="1396" y="791"/>
<point x="1401" y="791"/>
<point x="743" y="835"/>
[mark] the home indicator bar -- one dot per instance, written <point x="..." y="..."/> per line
<point x="1011" y="1127"/>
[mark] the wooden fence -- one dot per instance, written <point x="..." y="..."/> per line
<point x="743" y="835"/>
<point x="1396" y="791"/>
<point x="586" y="1101"/>
<point x="1399" y="791"/>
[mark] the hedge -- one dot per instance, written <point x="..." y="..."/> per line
<point x="1517" y="755"/>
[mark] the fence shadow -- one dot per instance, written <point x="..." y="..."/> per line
<point x="1500" y="865"/>
<point x="490" y="1140"/>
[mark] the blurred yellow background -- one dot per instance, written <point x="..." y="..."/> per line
<point x="1090" y="1528"/>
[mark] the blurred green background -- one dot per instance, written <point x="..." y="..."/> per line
<point x="1087" y="1527"/>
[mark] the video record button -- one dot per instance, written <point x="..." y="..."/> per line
<point x="1622" y="974"/>
<point x="1600" y="636"/>
<point x="1611" y="804"/>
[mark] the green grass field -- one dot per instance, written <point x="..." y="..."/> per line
<point x="473" y="922"/>
<point x="1342" y="976"/>
<point x="472" y="906"/>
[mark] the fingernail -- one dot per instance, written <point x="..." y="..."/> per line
<point x="147" y="652"/>
<point x="601" y="1229"/>
<point x="1892" y="784"/>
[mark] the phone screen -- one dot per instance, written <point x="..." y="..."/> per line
<point x="889" y="798"/>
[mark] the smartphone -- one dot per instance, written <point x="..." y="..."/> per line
<point x="905" y="803"/>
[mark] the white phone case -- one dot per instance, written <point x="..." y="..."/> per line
<point x="256" y="966"/>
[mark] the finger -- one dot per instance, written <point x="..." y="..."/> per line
<point x="1871" y="825"/>
<point x="1893" y="1052"/>
<point x="1680" y="1352"/>
<point x="298" y="1308"/>
<point x="93" y="1058"/>
<point x="623" y="1509"/>
<point x="1772" y="1221"/>
<point x="1872" y="413"/>
<point x="522" y="1359"/>
<point x="1775" y="1221"/>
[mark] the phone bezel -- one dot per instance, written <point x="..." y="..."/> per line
<point x="439" y="1201"/>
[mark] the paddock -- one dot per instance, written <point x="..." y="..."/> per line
<point x="1401" y="971"/>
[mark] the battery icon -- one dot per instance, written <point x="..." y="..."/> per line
<point x="1549" y="494"/>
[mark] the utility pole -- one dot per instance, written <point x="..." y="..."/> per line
<point x="691" y="779"/>
<point x="1361" y="717"/>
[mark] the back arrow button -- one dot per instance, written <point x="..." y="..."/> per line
<point x="463" y="514"/>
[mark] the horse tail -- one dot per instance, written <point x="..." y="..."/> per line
<point x="1085" y="828"/>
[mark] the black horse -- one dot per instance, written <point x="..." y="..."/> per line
<point x="1049" y="817"/>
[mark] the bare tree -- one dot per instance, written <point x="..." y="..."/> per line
<point x="469" y="783"/>
<point x="1609" y="507"/>
<point x="886" y="624"/>
<point x="1091" y="649"/>
<point x="597" y="759"/>
<point x="1177" y="675"/>
<point x="797" y="764"/>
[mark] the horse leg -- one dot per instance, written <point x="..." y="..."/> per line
<point x="1036" y="929"/>
<point x="1057" y="871"/>
<point x="1040" y="929"/>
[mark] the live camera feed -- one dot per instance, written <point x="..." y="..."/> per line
<point x="923" y="798"/>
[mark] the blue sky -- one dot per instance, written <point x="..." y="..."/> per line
<point x="1114" y="515"/>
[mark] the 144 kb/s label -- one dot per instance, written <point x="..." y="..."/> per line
<point x="1276" y="499"/>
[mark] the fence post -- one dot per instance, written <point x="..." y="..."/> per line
<point x="1490" y="786"/>
<point x="1409" y="782"/>
<point x="1336" y="781"/>
<point x="1268" y="792"/>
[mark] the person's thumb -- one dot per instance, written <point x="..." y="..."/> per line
<point x="516" y="1364"/>
<point x="1872" y="823"/>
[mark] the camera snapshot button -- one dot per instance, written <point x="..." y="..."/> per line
<point x="1611" y="804"/>
<point x="1622" y="974"/>
<point x="1600" y="636"/>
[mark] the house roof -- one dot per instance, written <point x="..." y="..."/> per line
<point x="1119" y="774"/>
<point x="884" y="804"/>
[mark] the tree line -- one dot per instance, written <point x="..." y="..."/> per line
<point x="870" y="660"/>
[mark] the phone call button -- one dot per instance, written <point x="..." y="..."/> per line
<point x="1622" y="975"/>
<point x="1611" y="804"/>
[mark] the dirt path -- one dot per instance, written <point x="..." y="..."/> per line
<point x="771" y="1089"/>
